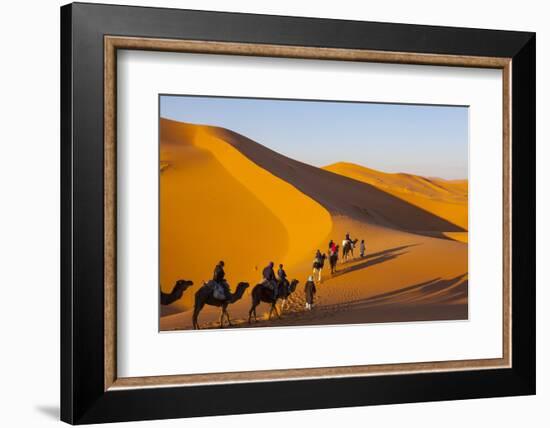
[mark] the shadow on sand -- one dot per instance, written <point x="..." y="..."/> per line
<point x="370" y="260"/>
<point x="434" y="300"/>
<point x="436" y="291"/>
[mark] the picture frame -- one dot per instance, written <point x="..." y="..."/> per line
<point x="91" y="35"/>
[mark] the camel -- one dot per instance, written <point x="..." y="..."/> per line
<point x="179" y="287"/>
<point x="333" y="259"/>
<point x="318" y="267"/>
<point x="285" y="292"/>
<point x="260" y="293"/>
<point x="347" y="248"/>
<point x="205" y="296"/>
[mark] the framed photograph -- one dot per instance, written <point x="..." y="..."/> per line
<point x="291" y="213"/>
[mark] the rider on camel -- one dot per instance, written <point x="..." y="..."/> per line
<point x="219" y="278"/>
<point x="269" y="278"/>
<point x="318" y="256"/>
<point x="349" y="240"/>
<point x="282" y="276"/>
<point x="331" y="247"/>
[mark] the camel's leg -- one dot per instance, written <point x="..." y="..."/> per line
<point x="274" y="308"/>
<point x="228" y="319"/>
<point x="283" y="304"/>
<point x="221" y="318"/>
<point x="270" y="312"/>
<point x="250" y="313"/>
<point x="196" y="318"/>
<point x="253" y="311"/>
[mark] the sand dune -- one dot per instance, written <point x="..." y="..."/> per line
<point x="213" y="207"/>
<point x="339" y="194"/>
<point x="219" y="188"/>
<point x="445" y="199"/>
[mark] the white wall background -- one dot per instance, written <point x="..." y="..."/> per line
<point x="29" y="214"/>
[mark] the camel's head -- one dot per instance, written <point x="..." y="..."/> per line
<point x="181" y="286"/>
<point x="293" y="285"/>
<point x="243" y="285"/>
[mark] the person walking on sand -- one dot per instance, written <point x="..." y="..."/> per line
<point x="362" y="248"/>
<point x="310" y="290"/>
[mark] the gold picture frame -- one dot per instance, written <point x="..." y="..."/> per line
<point x="114" y="43"/>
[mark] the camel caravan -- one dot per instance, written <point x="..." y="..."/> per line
<point x="272" y="289"/>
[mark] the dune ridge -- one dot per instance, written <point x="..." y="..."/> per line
<point x="339" y="194"/>
<point x="443" y="198"/>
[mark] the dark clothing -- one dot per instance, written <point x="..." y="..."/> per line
<point x="219" y="274"/>
<point x="283" y="281"/>
<point x="270" y="280"/>
<point x="310" y="290"/>
<point x="268" y="273"/>
<point x="226" y="290"/>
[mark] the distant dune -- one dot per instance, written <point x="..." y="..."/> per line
<point x="445" y="199"/>
<point x="224" y="196"/>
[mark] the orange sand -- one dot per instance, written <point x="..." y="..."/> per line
<point x="213" y="208"/>
<point x="224" y="196"/>
<point x="445" y="199"/>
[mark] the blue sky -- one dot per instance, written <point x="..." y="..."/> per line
<point x="427" y="140"/>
